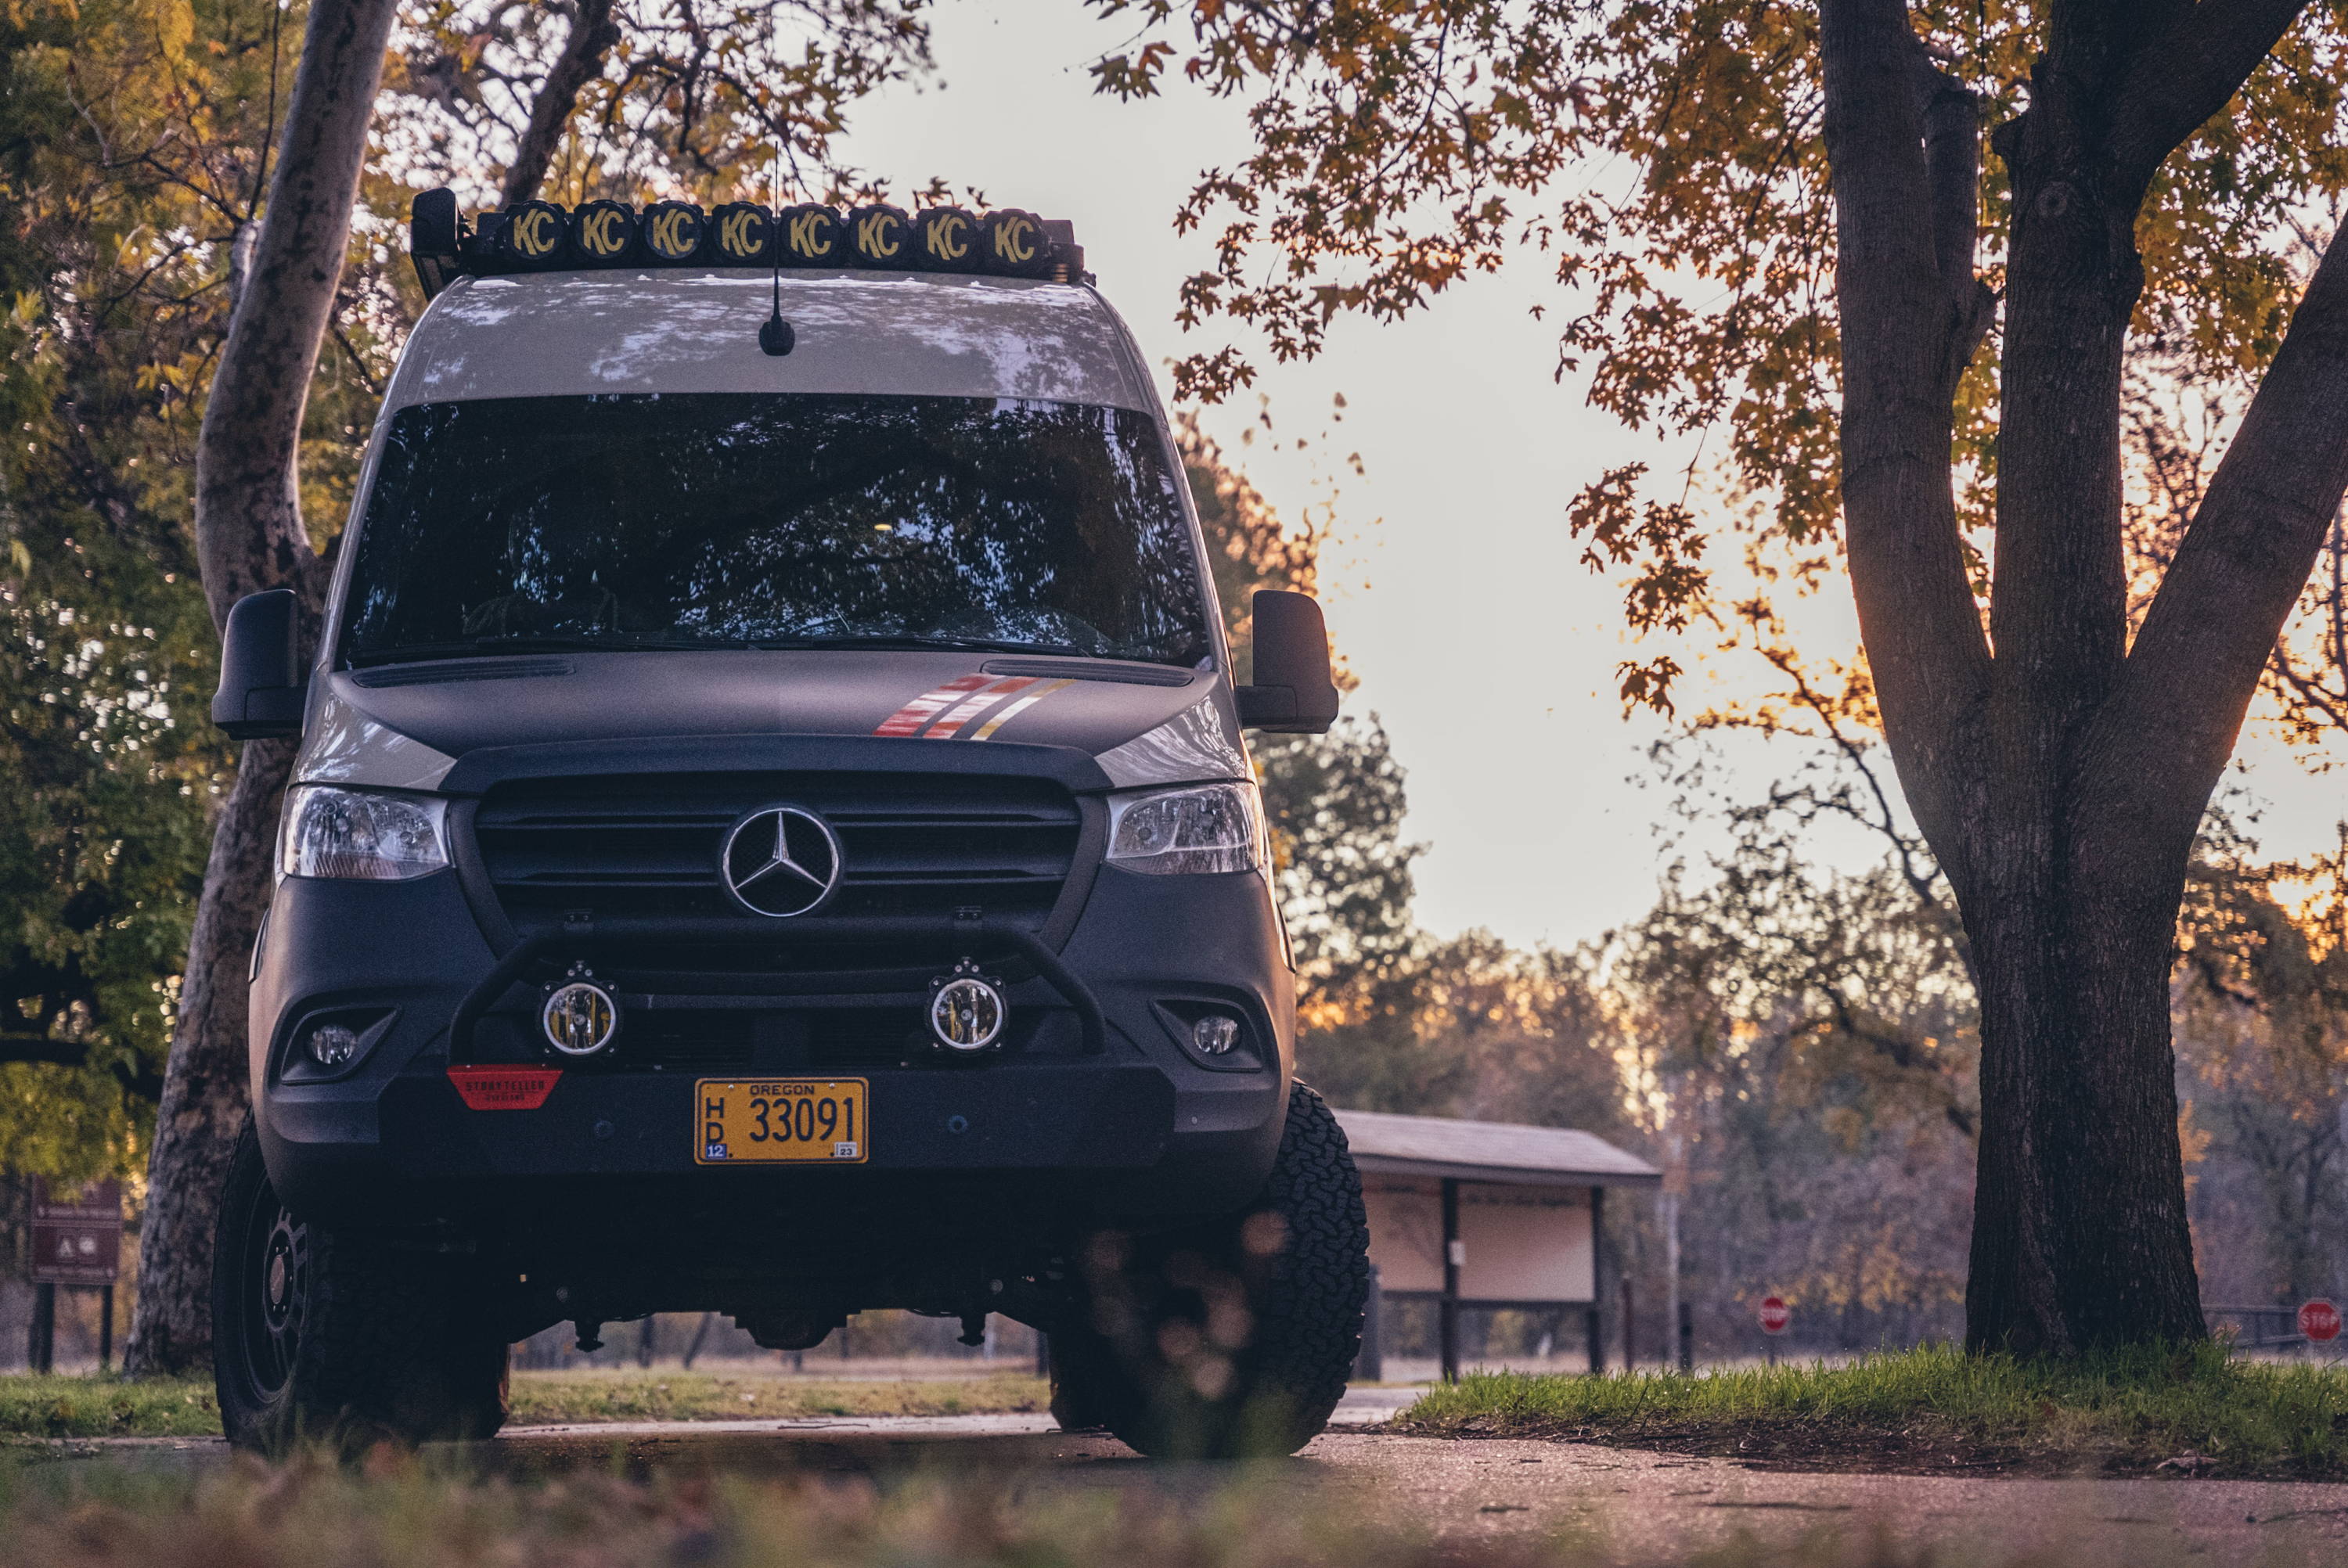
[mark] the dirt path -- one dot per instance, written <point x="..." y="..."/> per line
<point x="1644" y="1506"/>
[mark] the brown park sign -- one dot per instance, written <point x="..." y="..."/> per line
<point x="77" y="1232"/>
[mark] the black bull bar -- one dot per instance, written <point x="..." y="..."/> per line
<point x="580" y="934"/>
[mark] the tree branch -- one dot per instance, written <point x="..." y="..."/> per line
<point x="593" y="34"/>
<point x="1952" y="165"/>
<point x="2178" y="80"/>
<point x="1923" y="633"/>
<point x="248" y="532"/>
<point x="2171" y="723"/>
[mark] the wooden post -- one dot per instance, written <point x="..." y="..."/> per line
<point x="1668" y="1200"/>
<point x="1454" y="1254"/>
<point x="105" y="1326"/>
<point x="1687" y="1335"/>
<point x="41" y="1345"/>
<point x="1630" y="1340"/>
<point x="1597" y="1324"/>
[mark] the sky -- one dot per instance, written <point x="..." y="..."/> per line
<point x="1452" y="589"/>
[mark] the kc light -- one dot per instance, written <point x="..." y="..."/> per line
<point x="359" y="835"/>
<point x="966" y="1009"/>
<point x="578" y="1017"/>
<point x="1205" y="827"/>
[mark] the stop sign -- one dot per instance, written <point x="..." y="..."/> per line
<point x="1774" y="1315"/>
<point x="2319" y="1320"/>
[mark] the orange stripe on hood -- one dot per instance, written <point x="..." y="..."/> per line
<point x="973" y="705"/>
<point x="908" y="719"/>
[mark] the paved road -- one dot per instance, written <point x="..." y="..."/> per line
<point x="1643" y="1505"/>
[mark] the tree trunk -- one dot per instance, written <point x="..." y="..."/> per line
<point x="250" y="536"/>
<point x="2061" y="779"/>
<point x="2079" y="1231"/>
<point x="205" y="1088"/>
<point x="2079" y="1223"/>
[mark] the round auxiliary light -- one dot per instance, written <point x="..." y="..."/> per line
<point x="535" y="233"/>
<point x="945" y="239"/>
<point x="743" y="234"/>
<point x="881" y="236"/>
<point x="1012" y="241"/>
<point x="967" y="1013"/>
<point x="580" y="1017"/>
<point x="811" y="235"/>
<point x="605" y="232"/>
<point x="673" y="229"/>
<point x="334" y="1044"/>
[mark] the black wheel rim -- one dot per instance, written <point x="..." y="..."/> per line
<point x="277" y="1291"/>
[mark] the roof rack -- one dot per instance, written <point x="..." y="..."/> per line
<point x="540" y="237"/>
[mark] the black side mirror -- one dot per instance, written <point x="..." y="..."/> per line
<point x="1293" y="694"/>
<point x="262" y="689"/>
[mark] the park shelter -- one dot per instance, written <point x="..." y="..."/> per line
<point x="1486" y="1214"/>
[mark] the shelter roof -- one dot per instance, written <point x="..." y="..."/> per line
<point x="1388" y="1145"/>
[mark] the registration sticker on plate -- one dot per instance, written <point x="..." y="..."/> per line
<point x="748" y="1121"/>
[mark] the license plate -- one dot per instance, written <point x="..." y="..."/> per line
<point x="750" y="1121"/>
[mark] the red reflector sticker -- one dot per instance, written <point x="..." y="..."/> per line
<point x="504" y="1088"/>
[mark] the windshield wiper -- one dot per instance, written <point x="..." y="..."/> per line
<point x="909" y="641"/>
<point x="482" y="646"/>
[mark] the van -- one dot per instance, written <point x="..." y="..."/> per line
<point x="772" y="834"/>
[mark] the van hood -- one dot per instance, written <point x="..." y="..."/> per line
<point x="405" y="726"/>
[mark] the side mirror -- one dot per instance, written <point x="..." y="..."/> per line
<point x="262" y="689"/>
<point x="1293" y="694"/>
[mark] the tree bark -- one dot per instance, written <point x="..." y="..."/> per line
<point x="2061" y="780"/>
<point x="248" y="536"/>
<point x="593" y="34"/>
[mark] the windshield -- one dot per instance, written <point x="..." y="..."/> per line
<point x="752" y="519"/>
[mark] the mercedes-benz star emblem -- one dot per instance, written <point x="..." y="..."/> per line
<point x="780" y="861"/>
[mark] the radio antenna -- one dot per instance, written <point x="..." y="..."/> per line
<point x="775" y="335"/>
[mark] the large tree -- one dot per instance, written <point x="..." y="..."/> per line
<point x="248" y="536"/>
<point x="1779" y="220"/>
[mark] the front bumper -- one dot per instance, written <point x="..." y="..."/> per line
<point x="1139" y="1128"/>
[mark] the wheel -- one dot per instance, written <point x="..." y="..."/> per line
<point x="1233" y="1338"/>
<point x="339" y="1337"/>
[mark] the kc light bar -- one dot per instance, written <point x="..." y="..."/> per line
<point x="540" y="237"/>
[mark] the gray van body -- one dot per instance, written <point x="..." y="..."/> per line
<point x="592" y="1199"/>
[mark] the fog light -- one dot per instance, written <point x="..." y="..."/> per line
<point x="580" y="1017"/>
<point x="966" y="1011"/>
<point x="1215" y="1034"/>
<point x="334" y="1045"/>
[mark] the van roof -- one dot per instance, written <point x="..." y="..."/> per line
<point x="696" y="329"/>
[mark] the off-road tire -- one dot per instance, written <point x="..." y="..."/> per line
<point x="368" y="1340"/>
<point x="1234" y="1338"/>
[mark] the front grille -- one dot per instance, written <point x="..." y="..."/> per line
<point x="867" y="1037"/>
<point x="645" y="846"/>
<point x="688" y="1040"/>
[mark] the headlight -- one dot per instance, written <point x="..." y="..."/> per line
<point x="348" y="833"/>
<point x="1207" y="828"/>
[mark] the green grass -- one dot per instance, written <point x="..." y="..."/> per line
<point x="37" y="1407"/>
<point x="89" y="1407"/>
<point x="600" y="1394"/>
<point x="2190" y="1411"/>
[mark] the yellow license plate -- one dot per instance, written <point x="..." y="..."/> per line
<point x="750" y="1121"/>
